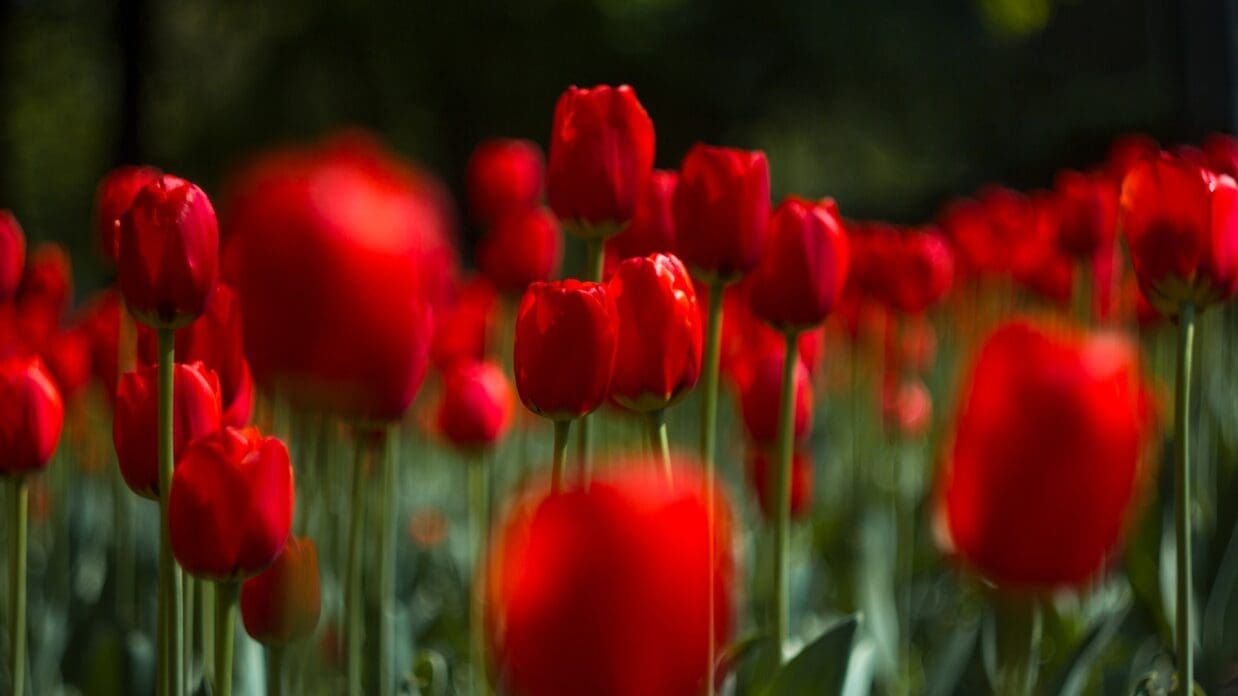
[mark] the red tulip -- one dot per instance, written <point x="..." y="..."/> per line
<point x="1181" y="227"/>
<point x="761" y="477"/>
<point x="230" y="509"/>
<point x="745" y="335"/>
<point x="1088" y="204"/>
<point x="1126" y="152"/>
<point x="282" y="603"/>
<point x="1043" y="468"/>
<point x="112" y="200"/>
<point x="920" y="270"/>
<point x="1221" y="150"/>
<point x="12" y="255"/>
<point x="660" y="332"/>
<point x="652" y="228"/>
<point x="602" y="589"/>
<point x="721" y="208"/>
<point x="338" y="254"/>
<point x="566" y="337"/>
<point x="168" y="258"/>
<point x="601" y="153"/>
<point x="504" y="176"/>
<point x="1036" y="260"/>
<point x="476" y="406"/>
<point x="101" y="323"/>
<point x="759" y="391"/>
<point x="523" y="247"/>
<point x="966" y="224"/>
<point x="195" y="414"/>
<point x="31" y="415"/>
<point x="68" y="359"/>
<point x="465" y="328"/>
<point x="801" y="275"/>
<point x="48" y="280"/>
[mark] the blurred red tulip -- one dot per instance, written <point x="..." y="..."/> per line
<point x="977" y="251"/>
<point x="652" y="228"/>
<point x="721" y="208"/>
<point x="761" y="472"/>
<point x="1127" y="151"/>
<point x="914" y="268"/>
<point x="579" y="579"/>
<point x="12" y="255"/>
<point x="31" y="416"/>
<point x="1181" y="227"/>
<point x="47" y="281"/>
<point x="906" y="406"/>
<point x="68" y="359"/>
<point x="1221" y="150"/>
<point x="195" y="414"/>
<point x="1045" y="459"/>
<point x="476" y="406"/>
<point x="601" y="153"/>
<point x="745" y="335"/>
<point x="523" y="247"/>
<point x="760" y="386"/>
<point x="282" y="603"/>
<point x="660" y="332"/>
<point x="101" y="323"/>
<point x="504" y="176"/>
<point x="1088" y="206"/>
<point x="115" y="194"/>
<point x="565" y="342"/>
<point x="1037" y="261"/>
<point x="465" y="328"/>
<point x="231" y="504"/>
<point x="801" y="274"/>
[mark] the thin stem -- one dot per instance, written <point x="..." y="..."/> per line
<point x="207" y="618"/>
<point x="386" y="562"/>
<point x="225" y="633"/>
<point x="275" y="671"/>
<point x="595" y="251"/>
<point x="1017" y="645"/>
<point x="17" y="566"/>
<point x="187" y="612"/>
<point x="562" y="429"/>
<point x="659" y="441"/>
<point x="709" y="422"/>
<point x="479" y="513"/>
<point x="782" y="529"/>
<point x="171" y="581"/>
<point x="352" y="586"/>
<point x="1182" y="487"/>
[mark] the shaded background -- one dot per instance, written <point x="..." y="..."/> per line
<point x="890" y="106"/>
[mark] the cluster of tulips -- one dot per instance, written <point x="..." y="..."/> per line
<point x="331" y="287"/>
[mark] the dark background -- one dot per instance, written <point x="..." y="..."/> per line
<point x="890" y="106"/>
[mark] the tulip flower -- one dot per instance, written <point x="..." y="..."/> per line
<point x="761" y="476"/>
<point x="196" y="413"/>
<point x="523" y="247"/>
<point x="466" y="326"/>
<point x="759" y="389"/>
<point x="100" y="320"/>
<point x="966" y="224"/>
<point x="476" y="406"/>
<point x="1037" y="261"/>
<point x="12" y="255"/>
<point x="1221" y="150"/>
<point x="652" y="228"/>
<point x="801" y="274"/>
<point x="1088" y="205"/>
<point x="68" y="359"/>
<point x="721" y="209"/>
<point x="282" y="603"/>
<point x="1125" y="152"/>
<point x="906" y="406"/>
<point x="47" y="280"/>
<point x="578" y="577"/>
<point x="113" y="197"/>
<point x="504" y="176"/>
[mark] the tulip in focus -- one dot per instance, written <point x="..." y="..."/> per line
<point x="801" y="274"/>
<point x="721" y="208"/>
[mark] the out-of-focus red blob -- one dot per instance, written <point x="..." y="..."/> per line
<point x="660" y="332"/>
<point x="230" y="508"/>
<point x="115" y="194"/>
<point x="802" y="272"/>
<point x="196" y="412"/>
<point x="652" y="228"/>
<point x="576" y="579"/>
<point x="282" y="603"/>
<point x="721" y="208"/>
<point x="100" y="319"/>
<point x="31" y="416"/>
<point x="1045" y="460"/>
<point x="523" y="247"/>
<point x="338" y="253"/>
<point x="48" y="279"/>
<point x="1221" y="150"/>
<point x="68" y="359"/>
<point x="977" y="250"/>
<point x="760" y="388"/>
<point x="1088" y="209"/>
<point x="465" y="327"/>
<point x="504" y="176"/>
<point x="601" y="154"/>
<point x="909" y="270"/>
<point x="1127" y="151"/>
<point x="1037" y="261"/>
<point x="566" y="335"/>
<point x="12" y="255"/>
<point x="744" y="335"/>
<point x="476" y="406"/>
<point x="762" y="472"/>
<point x="906" y="406"/>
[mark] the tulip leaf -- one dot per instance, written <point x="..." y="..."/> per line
<point x="741" y="650"/>
<point x="948" y="669"/>
<point x="1077" y="671"/>
<point x="821" y="667"/>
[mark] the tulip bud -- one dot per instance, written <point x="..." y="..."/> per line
<point x="760" y="387"/>
<point x="660" y="332"/>
<point x="230" y="509"/>
<point x="504" y="176"/>
<point x="68" y="359"/>
<point x="464" y="329"/>
<point x="12" y="255"/>
<point x="47" y="284"/>
<point x="112" y="199"/>
<point x="1037" y="261"/>
<point x="476" y="407"/>
<point x="282" y="603"/>
<point x="564" y="348"/>
<point x="195" y="413"/>
<point x="601" y="153"/>
<point x="721" y="208"/>
<point x="652" y="228"/>
<point x="1088" y="204"/>
<point x="31" y="416"/>
<point x="168" y="253"/>
<point x="801" y="274"/>
<point x="761" y="475"/>
<point x="523" y="247"/>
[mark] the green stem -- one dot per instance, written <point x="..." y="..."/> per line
<point x="1182" y="487"/>
<point x="1017" y="645"/>
<point x="386" y="562"/>
<point x="275" y="671"/>
<point x="709" y="422"/>
<point x="169" y="572"/>
<point x="562" y="429"/>
<point x="187" y="612"/>
<point x="479" y="513"/>
<point x="659" y="441"/>
<point x="207" y="619"/>
<point x="595" y="251"/>
<point x="782" y="528"/>
<point x="17" y="566"/>
<point x="225" y="634"/>
<point x="352" y="585"/>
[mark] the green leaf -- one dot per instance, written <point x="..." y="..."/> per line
<point x="741" y="650"/>
<point x="1075" y="675"/>
<point x="821" y="667"/>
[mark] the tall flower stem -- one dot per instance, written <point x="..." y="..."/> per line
<point x="352" y="582"/>
<point x="782" y="528"/>
<point x="275" y="671"/>
<point x="709" y="423"/>
<point x="207" y="618"/>
<point x="479" y="523"/>
<point x="1182" y="489"/>
<point x="170" y="579"/>
<point x="187" y="612"/>
<point x="225" y="635"/>
<point x="17" y="566"/>
<point x="1015" y="644"/>
<point x="386" y="563"/>
<point x="562" y="429"/>
<point x="659" y="441"/>
<point x="595" y="252"/>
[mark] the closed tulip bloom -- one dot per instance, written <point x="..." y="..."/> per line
<point x="759" y="390"/>
<point x="196" y="412"/>
<point x="465" y="327"/>
<point x="31" y="416"/>
<point x="523" y="247"/>
<point x="113" y="197"/>
<point x="12" y="255"/>
<point x="761" y="472"/>
<point x="282" y="603"/>
<point x="1088" y="204"/>
<point x="601" y="153"/>
<point x="476" y="406"/>
<point x="1037" y="261"/>
<point x="802" y="272"/>
<point x="168" y="258"/>
<point x="652" y="228"/>
<point x="921" y="270"/>
<point x="47" y="281"/>
<point x="565" y="342"/>
<point x="966" y="224"/>
<point x="504" y="176"/>
<point x="1181" y="227"/>
<point x="1043" y="468"/>
<point x="231" y="505"/>
<point x="660" y="332"/>
<point x="601" y="589"/>
<point x="721" y="208"/>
